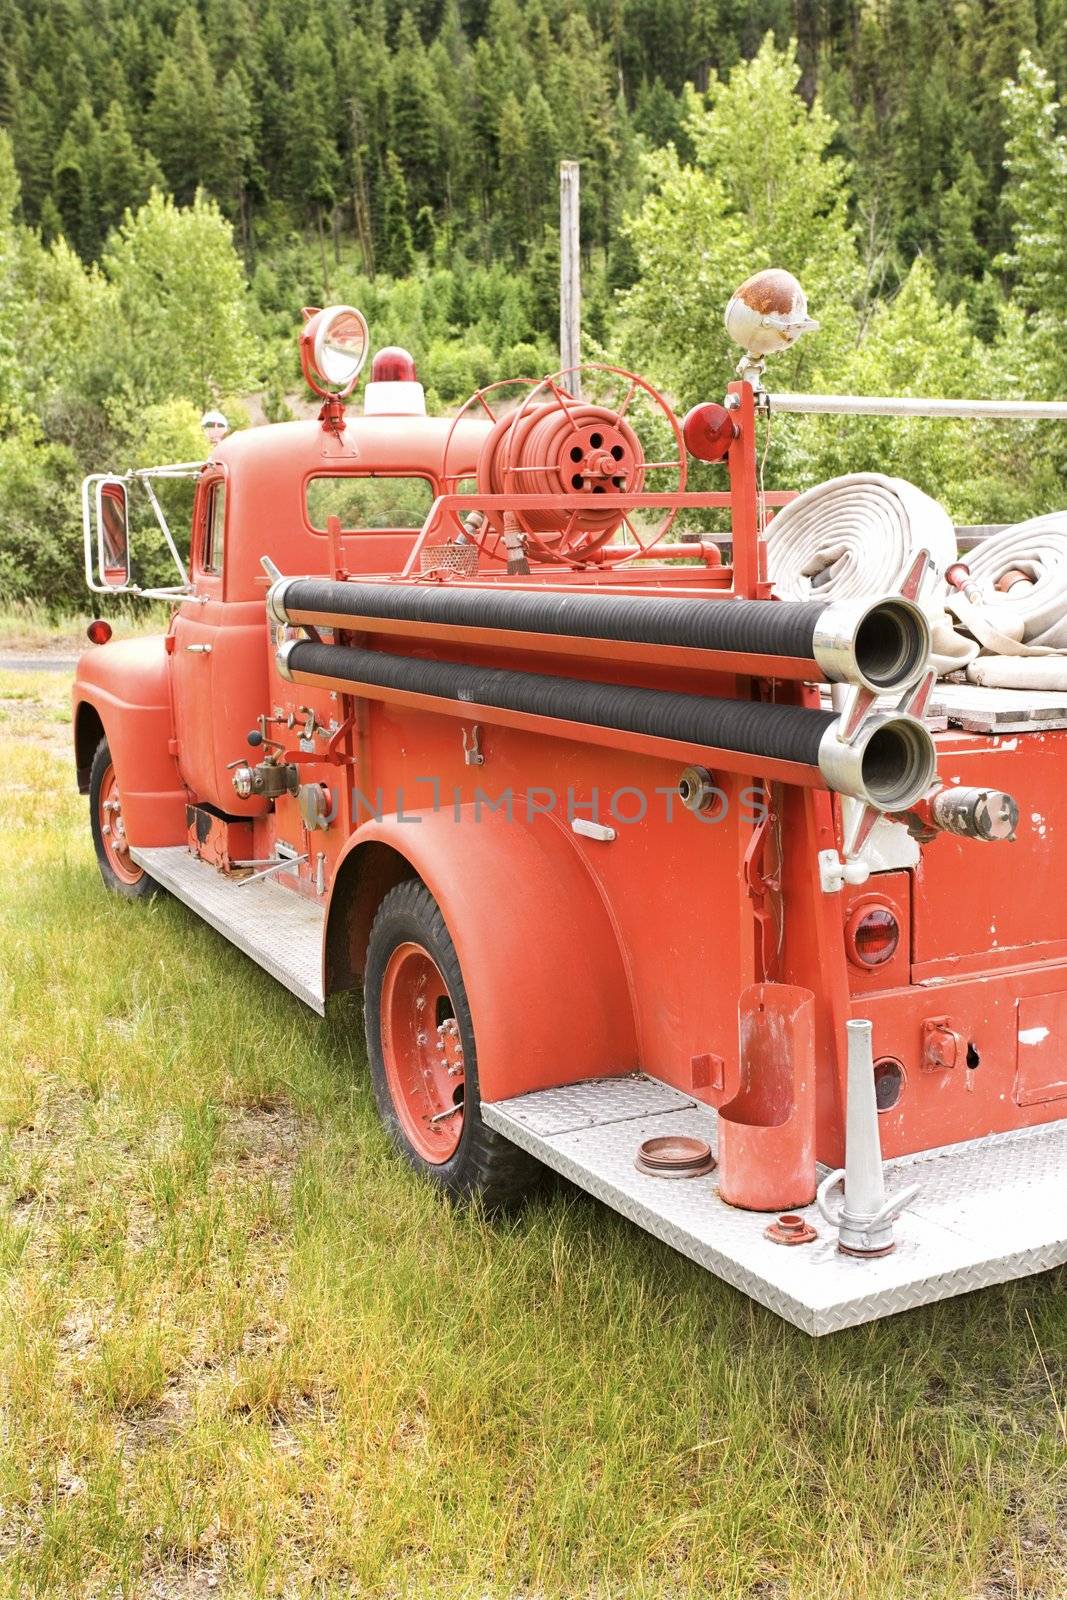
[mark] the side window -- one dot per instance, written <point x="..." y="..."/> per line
<point x="214" y="529"/>
<point x="369" y="502"/>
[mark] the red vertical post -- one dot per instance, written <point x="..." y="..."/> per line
<point x="333" y="540"/>
<point x="825" y="912"/>
<point x="744" y="494"/>
<point x="744" y="516"/>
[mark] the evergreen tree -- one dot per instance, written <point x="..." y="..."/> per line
<point x="960" y="251"/>
<point x="74" y="176"/>
<point x="125" y="175"/>
<point x="513" y="158"/>
<point x="183" y="120"/>
<point x="416" y="140"/>
<point x="236" y="149"/>
<point x="34" y="137"/>
<point x="313" y="163"/>
<point x="542" y="162"/>
<point x="398" y="253"/>
<point x="1036" y="202"/>
<point x="659" y="115"/>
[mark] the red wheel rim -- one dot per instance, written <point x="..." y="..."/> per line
<point x="422" y="1052"/>
<point x="113" y="831"/>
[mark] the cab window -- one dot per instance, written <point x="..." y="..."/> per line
<point x="369" y="502"/>
<point x="214" y="529"/>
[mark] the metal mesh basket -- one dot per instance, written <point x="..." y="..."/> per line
<point x="459" y="558"/>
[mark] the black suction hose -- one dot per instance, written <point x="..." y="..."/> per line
<point x="758" y="627"/>
<point x="780" y="733"/>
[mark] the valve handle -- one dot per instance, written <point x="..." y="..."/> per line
<point x="888" y="1212"/>
<point x="831" y="1181"/>
<point x="894" y="1205"/>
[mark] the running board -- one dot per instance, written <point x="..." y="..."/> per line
<point x="989" y="1210"/>
<point x="280" y="929"/>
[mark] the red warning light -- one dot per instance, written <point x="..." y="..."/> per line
<point x="708" y="431"/>
<point x="393" y="365"/>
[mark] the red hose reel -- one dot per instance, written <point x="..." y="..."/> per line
<point x="554" y="445"/>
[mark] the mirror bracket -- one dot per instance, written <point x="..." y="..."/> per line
<point x="99" y="488"/>
<point x="332" y="415"/>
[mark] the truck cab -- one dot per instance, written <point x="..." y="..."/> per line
<point x="264" y="499"/>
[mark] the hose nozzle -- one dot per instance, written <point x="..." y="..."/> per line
<point x="889" y="764"/>
<point x="881" y="645"/>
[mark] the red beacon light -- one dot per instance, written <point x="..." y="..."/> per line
<point x="99" y="631"/>
<point x="393" y="365"/>
<point x="394" y="389"/>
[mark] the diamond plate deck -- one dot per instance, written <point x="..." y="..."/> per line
<point x="280" y="930"/>
<point x="990" y="1210"/>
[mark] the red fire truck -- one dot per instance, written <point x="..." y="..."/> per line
<point x="450" y="710"/>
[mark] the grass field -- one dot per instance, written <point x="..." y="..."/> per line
<point x="243" y="1352"/>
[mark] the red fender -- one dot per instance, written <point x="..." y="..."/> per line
<point x="126" y="684"/>
<point x="541" y="962"/>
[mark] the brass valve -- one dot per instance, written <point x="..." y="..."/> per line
<point x="988" y="814"/>
<point x="270" y="777"/>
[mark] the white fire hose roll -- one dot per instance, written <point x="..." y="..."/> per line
<point x="856" y="536"/>
<point x="1021" y="576"/>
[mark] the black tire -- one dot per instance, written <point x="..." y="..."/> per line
<point x="485" y="1166"/>
<point x="144" y="886"/>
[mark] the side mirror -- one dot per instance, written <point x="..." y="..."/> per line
<point x="112" y="534"/>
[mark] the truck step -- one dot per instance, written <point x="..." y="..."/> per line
<point x="280" y="929"/>
<point x="990" y="1210"/>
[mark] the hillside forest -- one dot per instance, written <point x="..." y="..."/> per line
<point x="178" y="179"/>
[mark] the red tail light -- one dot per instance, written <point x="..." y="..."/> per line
<point x="99" y="631"/>
<point x="872" y="936"/>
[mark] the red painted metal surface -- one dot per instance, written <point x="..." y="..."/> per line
<point x="702" y="951"/>
<point x="125" y="687"/>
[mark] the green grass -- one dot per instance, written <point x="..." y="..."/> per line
<point x="244" y="1352"/>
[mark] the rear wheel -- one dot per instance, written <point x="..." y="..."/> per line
<point x="420" y="1044"/>
<point x="118" y="869"/>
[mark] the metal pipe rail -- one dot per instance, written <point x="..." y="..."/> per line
<point x="855" y="405"/>
<point x="456" y="506"/>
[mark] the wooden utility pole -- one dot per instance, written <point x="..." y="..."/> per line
<point x="570" y="276"/>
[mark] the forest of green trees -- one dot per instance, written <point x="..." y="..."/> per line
<point x="177" y="179"/>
